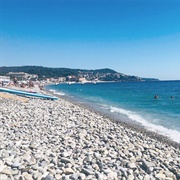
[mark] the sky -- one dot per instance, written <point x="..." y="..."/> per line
<point x="134" y="37"/>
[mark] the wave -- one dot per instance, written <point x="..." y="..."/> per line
<point x="56" y="92"/>
<point x="172" y="134"/>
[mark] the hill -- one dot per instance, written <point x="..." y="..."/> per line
<point x="47" y="72"/>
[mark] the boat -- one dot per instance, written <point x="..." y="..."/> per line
<point x="29" y="94"/>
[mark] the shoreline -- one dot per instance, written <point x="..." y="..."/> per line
<point x="130" y="125"/>
<point x="45" y="139"/>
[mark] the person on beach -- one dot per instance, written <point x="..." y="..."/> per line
<point x="15" y="81"/>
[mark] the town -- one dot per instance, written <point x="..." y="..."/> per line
<point x="24" y="75"/>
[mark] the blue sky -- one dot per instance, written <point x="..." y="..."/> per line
<point x="134" y="37"/>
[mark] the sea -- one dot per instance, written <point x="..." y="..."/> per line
<point x="132" y="102"/>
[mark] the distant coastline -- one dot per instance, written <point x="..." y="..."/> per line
<point x="73" y="75"/>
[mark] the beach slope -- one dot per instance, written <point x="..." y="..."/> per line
<point x="42" y="139"/>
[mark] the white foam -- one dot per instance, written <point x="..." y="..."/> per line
<point x="58" y="93"/>
<point x="52" y="90"/>
<point x="172" y="134"/>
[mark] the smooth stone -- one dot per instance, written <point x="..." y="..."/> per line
<point x="43" y="164"/>
<point x="131" y="165"/>
<point x="45" y="174"/>
<point x="82" y="176"/>
<point x="58" y="171"/>
<point x="124" y="162"/>
<point x="65" y="154"/>
<point x="146" y="177"/>
<point x="37" y="175"/>
<point x="75" y="176"/>
<point x="51" y="154"/>
<point x="8" y="161"/>
<point x="90" y="177"/>
<point x="100" y="176"/>
<point x="32" y="147"/>
<point x="57" y="176"/>
<point x="27" y="158"/>
<point x="160" y="176"/>
<point x="51" y="165"/>
<point x="68" y="165"/>
<point x="27" y="176"/>
<point x="107" y="171"/>
<point x="97" y="156"/>
<point x="130" y="177"/>
<point x="21" y="167"/>
<point x="32" y="162"/>
<point x="169" y="174"/>
<point x="15" y="164"/>
<point x="130" y="171"/>
<point x="88" y="159"/>
<point x="112" y="175"/>
<point x="6" y="171"/>
<point x="15" y="172"/>
<point x="3" y="177"/>
<point x="68" y="171"/>
<point x="87" y="171"/>
<point x="51" y="171"/>
<point x="5" y="154"/>
<point x="1" y="165"/>
<point x="64" y="177"/>
<point x="35" y="167"/>
<point x="65" y="160"/>
<point x="53" y="161"/>
<point x="49" y="177"/>
<point x="148" y="166"/>
<point x="133" y="159"/>
<point x="150" y="169"/>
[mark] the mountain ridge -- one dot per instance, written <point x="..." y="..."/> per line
<point x="104" y="74"/>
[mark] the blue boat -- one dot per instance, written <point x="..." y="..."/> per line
<point x="29" y="94"/>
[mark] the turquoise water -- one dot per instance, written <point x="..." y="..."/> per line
<point x="133" y="101"/>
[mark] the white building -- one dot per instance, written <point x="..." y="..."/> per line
<point x="22" y="75"/>
<point x="62" y="79"/>
<point x="4" y="80"/>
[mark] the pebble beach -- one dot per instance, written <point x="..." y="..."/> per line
<point x="49" y="140"/>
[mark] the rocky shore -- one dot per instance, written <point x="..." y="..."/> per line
<point x="42" y="139"/>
